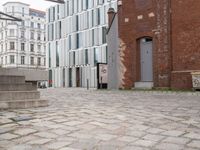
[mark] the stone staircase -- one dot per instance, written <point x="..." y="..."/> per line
<point x="15" y="93"/>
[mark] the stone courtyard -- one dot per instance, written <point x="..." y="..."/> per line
<point x="80" y="119"/>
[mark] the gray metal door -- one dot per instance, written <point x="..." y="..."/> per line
<point x="146" y="60"/>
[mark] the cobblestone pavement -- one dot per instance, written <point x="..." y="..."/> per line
<point x="78" y="119"/>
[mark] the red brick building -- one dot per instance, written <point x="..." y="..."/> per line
<point x="159" y="42"/>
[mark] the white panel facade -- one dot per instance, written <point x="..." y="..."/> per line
<point x="76" y="34"/>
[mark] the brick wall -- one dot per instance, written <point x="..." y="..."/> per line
<point x="185" y="41"/>
<point x="176" y="45"/>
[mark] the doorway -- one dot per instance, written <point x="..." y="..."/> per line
<point x="146" y="59"/>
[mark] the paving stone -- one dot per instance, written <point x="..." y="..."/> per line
<point x="106" y="120"/>
<point x="105" y="137"/>
<point x="57" y="145"/>
<point x="145" y="143"/>
<point x="46" y="134"/>
<point x="60" y="131"/>
<point x="153" y="137"/>
<point x="154" y="130"/>
<point x="195" y="144"/>
<point x="8" y="136"/>
<point x="127" y="138"/>
<point x="173" y="133"/>
<point x="169" y="146"/>
<point x="73" y="123"/>
<point x="39" y="141"/>
<point x="192" y="136"/>
<point x="176" y="140"/>
<point x="5" y="120"/>
<point x="69" y="148"/>
<point x="24" y="131"/>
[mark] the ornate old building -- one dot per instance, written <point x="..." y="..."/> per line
<point x="157" y="43"/>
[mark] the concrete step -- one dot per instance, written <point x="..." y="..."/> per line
<point x="18" y="95"/>
<point x="18" y="87"/>
<point x="11" y="79"/>
<point x="22" y="104"/>
<point x="143" y="85"/>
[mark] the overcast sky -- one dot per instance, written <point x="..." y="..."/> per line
<point x="37" y="4"/>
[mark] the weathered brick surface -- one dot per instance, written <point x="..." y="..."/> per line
<point x="175" y="40"/>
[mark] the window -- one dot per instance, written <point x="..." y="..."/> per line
<point x="104" y="35"/>
<point x="12" y="59"/>
<point x="22" y="60"/>
<point x="22" y="34"/>
<point x="12" y="32"/>
<point x="96" y="54"/>
<point x="39" y="36"/>
<point x="77" y="40"/>
<point x="32" y="35"/>
<point x="49" y="46"/>
<point x="6" y="60"/>
<point x="38" y="25"/>
<point x="32" y="60"/>
<point x="1" y="47"/>
<point x="57" y="55"/>
<point x="70" y="42"/>
<point x="44" y="61"/>
<point x="77" y="23"/>
<point x="39" y="61"/>
<point x="86" y="56"/>
<point x="22" y="11"/>
<point x="12" y="45"/>
<point x="32" y="24"/>
<point x="32" y="47"/>
<point x="39" y="48"/>
<point x="74" y="58"/>
<point x="2" y="60"/>
<point x="22" y="46"/>
<point x="98" y="16"/>
<point x="23" y="23"/>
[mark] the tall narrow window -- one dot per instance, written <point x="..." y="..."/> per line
<point x="32" y="47"/>
<point x="32" y="24"/>
<point x="57" y="55"/>
<point x="86" y="56"/>
<point x="22" y="11"/>
<point x="32" y="60"/>
<point x="104" y="35"/>
<point x="12" y="32"/>
<point x="74" y="58"/>
<point x="12" y="59"/>
<point x="95" y="56"/>
<point x="39" y="61"/>
<point x="39" y="36"/>
<point x="38" y="25"/>
<point x="98" y="16"/>
<point x="22" y="46"/>
<point x="32" y="35"/>
<point x="49" y="55"/>
<point x="77" y="23"/>
<point x="22" y="34"/>
<point x="22" y="60"/>
<point x="12" y="45"/>
<point x="39" y="48"/>
<point x="70" y="42"/>
<point x="77" y="41"/>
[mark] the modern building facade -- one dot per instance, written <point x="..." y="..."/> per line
<point x="77" y="41"/>
<point x="22" y="44"/>
<point x="153" y="43"/>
